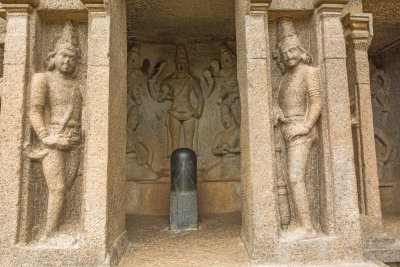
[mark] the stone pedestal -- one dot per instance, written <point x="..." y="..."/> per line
<point x="183" y="211"/>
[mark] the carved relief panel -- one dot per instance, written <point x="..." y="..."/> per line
<point x="297" y="108"/>
<point x="180" y="93"/>
<point x="56" y="137"/>
<point x="384" y="143"/>
<point x="183" y="95"/>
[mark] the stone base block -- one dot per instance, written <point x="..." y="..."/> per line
<point x="382" y="247"/>
<point x="183" y="211"/>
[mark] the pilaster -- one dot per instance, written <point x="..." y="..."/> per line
<point x="105" y="175"/>
<point x="259" y="207"/>
<point x="358" y="34"/>
<point x="13" y="121"/>
<point x="337" y="144"/>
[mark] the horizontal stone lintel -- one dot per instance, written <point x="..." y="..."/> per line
<point x="318" y="3"/>
<point x="92" y="2"/>
<point x="33" y="3"/>
<point x="259" y="6"/>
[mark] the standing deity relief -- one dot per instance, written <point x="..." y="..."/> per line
<point x="55" y="115"/>
<point x="186" y="94"/>
<point x="296" y="112"/>
<point x="178" y="88"/>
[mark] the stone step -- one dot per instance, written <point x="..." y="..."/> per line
<point x="379" y="241"/>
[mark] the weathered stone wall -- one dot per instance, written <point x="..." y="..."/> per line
<point x="387" y="64"/>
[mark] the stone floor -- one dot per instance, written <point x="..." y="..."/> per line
<point x="391" y="224"/>
<point x="217" y="243"/>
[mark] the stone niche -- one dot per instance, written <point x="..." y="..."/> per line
<point x="149" y="146"/>
<point x="385" y="99"/>
<point x="35" y="189"/>
<point x="206" y="30"/>
<point x="314" y="180"/>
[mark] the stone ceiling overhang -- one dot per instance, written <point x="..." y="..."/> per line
<point x="386" y="17"/>
<point x="160" y="20"/>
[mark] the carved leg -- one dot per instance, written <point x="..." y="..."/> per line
<point x="54" y="173"/>
<point x="189" y="128"/>
<point x="175" y="131"/>
<point x="74" y="160"/>
<point x="298" y="153"/>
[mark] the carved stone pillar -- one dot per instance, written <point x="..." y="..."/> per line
<point x="13" y="120"/>
<point x="359" y="35"/>
<point x="341" y="188"/>
<point x="259" y="206"/>
<point x="104" y="174"/>
<point x="376" y="244"/>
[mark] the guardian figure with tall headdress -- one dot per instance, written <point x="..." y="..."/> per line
<point x="55" y="115"/>
<point x="297" y="111"/>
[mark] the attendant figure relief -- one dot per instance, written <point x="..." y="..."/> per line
<point x="297" y="111"/>
<point x="137" y="75"/>
<point x="55" y="115"/>
<point x="226" y="71"/>
<point x="380" y="105"/>
<point x="226" y="145"/>
<point x="139" y="150"/>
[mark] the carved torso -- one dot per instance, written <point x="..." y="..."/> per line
<point x="229" y="138"/>
<point x="180" y="91"/>
<point x="64" y="97"/>
<point x="293" y="92"/>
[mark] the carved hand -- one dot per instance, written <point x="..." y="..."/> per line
<point x="198" y="114"/>
<point x="61" y="141"/>
<point x="225" y="149"/>
<point x="215" y="67"/>
<point x="159" y="69"/>
<point x="207" y="74"/>
<point x="278" y="115"/>
<point x="299" y="130"/>
<point x="50" y="140"/>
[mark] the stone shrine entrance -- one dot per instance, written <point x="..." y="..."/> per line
<point x="201" y="35"/>
<point x="259" y="89"/>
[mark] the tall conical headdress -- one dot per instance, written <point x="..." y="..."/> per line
<point x="68" y="40"/>
<point x="287" y="33"/>
<point x="181" y="55"/>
